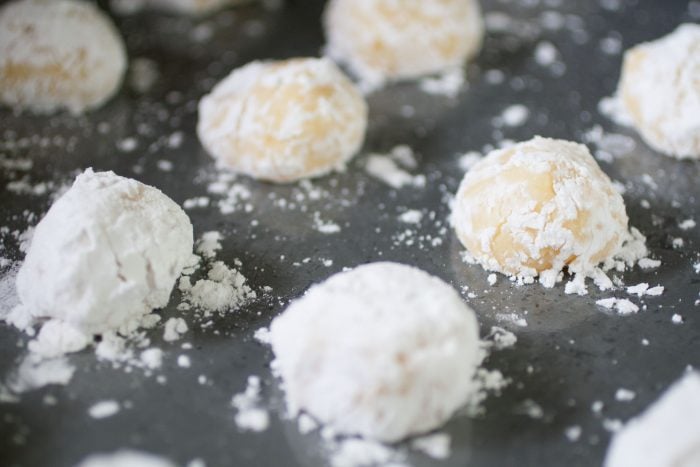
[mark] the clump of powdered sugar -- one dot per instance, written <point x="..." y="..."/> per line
<point x="449" y="83"/>
<point x="250" y="415"/>
<point x="222" y="288"/>
<point x="392" y="168"/>
<point x="125" y="458"/>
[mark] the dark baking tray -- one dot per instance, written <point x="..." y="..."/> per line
<point x="570" y="354"/>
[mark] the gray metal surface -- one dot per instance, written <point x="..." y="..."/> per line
<point x="570" y="354"/>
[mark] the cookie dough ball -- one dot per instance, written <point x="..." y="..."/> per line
<point x="107" y="252"/>
<point x="531" y="209"/>
<point x="666" y="434"/>
<point x="59" y="54"/>
<point x="402" y="39"/>
<point x="383" y="351"/>
<point x="283" y="121"/>
<point x="659" y="90"/>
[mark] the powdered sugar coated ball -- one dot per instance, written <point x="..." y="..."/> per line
<point x="107" y="252"/>
<point x="402" y="39"/>
<point x="384" y="351"/>
<point x="58" y="54"/>
<point x="666" y="434"/>
<point x="283" y="121"/>
<point x="538" y="206"/>
<point x="660" y="91"/>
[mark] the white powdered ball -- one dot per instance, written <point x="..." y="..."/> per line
<point x="402" y="39"/>
<point x="107" y="252"/>
<point x="283" y="121"/>
<point x="58" y="54"/>
<point x="383" y="351"/>
<point x="666" y="434"/>
<point x="533" y="208"/>
<point x="659" y="91"/>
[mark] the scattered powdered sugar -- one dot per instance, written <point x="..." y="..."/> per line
<point x="448" y="84"/>
<point x="573" y="433"/>
<point x="325" y="227"/>
<point x="643" y="289"/>
<point x="492" y="279"/>
<point x="412" y="216"/>
<point x="174" y="329"/>
<point x="306" y="424"/>
<point x="512" y="116"/>
<point x="34" y="372"/>
<point x="648" y="263"/>
<point x="104" y="409"/>
<point x="125" y="458"/>
<point x="501" y="338"/>
<point x="390" y="168"/>
<point x="250" y="415"/>
<point x="467" y="160"/>
<point x="621" y="305"/>
<point x="152" y="358"/>
<point x="624" y="395"/>
<point x="610" y="146"/>
<point x="184" y="361"/>
<point x="531" y="409"/>
<point x="358" y="452"/>
<point x="223" y="288"/>
<point x="143" y="74"/>
<point x="546" y="53"/>
<point x="687" y="224"/>
<point x="436" y="446"/>
<point x="209" y="244"/>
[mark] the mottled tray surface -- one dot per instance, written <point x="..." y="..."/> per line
<point x="570" y="354"/>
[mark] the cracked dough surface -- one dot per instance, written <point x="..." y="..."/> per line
<point x="402" y="39"/>
<point x="107" y="252"/>
<point x="61" y="54"/>
<point x="538" y="206"/>
<point x="283" y="121"/>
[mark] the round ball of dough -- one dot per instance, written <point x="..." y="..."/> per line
<point x="384" y="351"/>
<point x="283" y="121"/>
<point x="107" y="252"/>
<point x="659" y="91"/>
<point x="402" y="39"/>
<point x="58" y="54"/>
<point x="533" y="208"/>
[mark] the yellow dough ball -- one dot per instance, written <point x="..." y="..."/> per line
<point x="58" y="54"/>
<point x="531" y="209"/>
<point x="660" y="92"/>
<point x="402" y="39"/>
<point x="283" y="121"/>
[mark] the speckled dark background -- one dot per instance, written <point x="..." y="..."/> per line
<point x="577" y="353"/>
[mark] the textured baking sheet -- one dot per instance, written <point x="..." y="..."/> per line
<point x="570" y="354"/>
